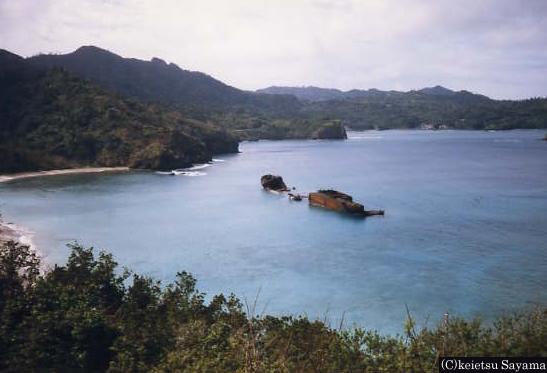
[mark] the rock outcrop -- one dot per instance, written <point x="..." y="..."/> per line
<point x="273" y="182"/>
<point x="330" y="130"/>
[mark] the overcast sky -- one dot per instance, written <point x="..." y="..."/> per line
<point x="494" y="47"/>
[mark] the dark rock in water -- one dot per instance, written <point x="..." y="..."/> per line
<point x="273" y="182"/>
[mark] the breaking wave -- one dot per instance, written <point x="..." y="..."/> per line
<point x="365" y="137"/>
<point x="188" y="173"/>
<point x="196" y="167"/>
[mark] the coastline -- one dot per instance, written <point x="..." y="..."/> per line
<point x="12" y="232"/>
<point x="68" y="171"/>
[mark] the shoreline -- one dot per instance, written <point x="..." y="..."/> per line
<point x="68" y="171"/>
<point x="12" y="232"/>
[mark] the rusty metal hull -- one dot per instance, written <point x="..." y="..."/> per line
<point x="336" y="204"/>
<point x="341" y="202"/>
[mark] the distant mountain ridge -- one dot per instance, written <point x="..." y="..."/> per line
<point x="249" y="115"/>
<point x="309" y="93"/>
<point x="437" y="91"/>
<point x="313" y="94"/>
<point x="293" y="112"/>
<point x="94" y="107"/>
<point x="429" y="108"/>
<point x="158" y="81"/>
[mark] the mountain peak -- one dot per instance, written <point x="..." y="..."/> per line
<point x="438" y="90"/>
<point x="93" y="51"/>
<point x="7" y="54"/>
<point x="9" y="60"/>
<point x="90" y="48"/>
<point x="154" y="80"/>
<point x="308" y="93"/>
<point x="158" y="61"/>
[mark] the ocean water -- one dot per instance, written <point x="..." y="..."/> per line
<point x="465" y="229"/>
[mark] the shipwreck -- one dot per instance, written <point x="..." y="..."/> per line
<point x="325" y="198"/>
<point x="341" y="202"/>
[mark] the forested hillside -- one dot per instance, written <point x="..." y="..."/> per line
<point x="95" y="108"/>
<point x="51" y="119"/>
<point x="158" y="81"/>
<point x="248" y="115"/>
<point x="435" y="107"/>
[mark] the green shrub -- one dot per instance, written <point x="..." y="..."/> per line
<point x="87" y="316"/>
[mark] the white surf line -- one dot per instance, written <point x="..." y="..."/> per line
<point x="194" y="170"/>
<point x="24" y="236"/>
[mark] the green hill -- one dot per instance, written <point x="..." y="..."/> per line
<point x="95" y="108"/>
<point x="248" y="115"/>
<point x="51" y="119"/>
<point x="308" y="93"/>
<point x="158" y="81"/>
<point x="432" y="107"/>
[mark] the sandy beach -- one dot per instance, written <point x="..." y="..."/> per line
<point x="24" y="175"/>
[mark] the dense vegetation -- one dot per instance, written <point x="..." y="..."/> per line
<point x="158" y="81"/>
<point x="255" y="126"/>
<point x="88" y="315"/>
<point x="95" y="108"/>
<point x="51" y="119"/>
<point x="248" y="115"/>
<point x="429" y="107"/>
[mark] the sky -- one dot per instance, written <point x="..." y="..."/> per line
<point x="493" y="47"/>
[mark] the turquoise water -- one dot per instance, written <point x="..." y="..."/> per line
<point x="465" y="229"/>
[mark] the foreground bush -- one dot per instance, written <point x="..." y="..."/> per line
<point x="84" y="316"/>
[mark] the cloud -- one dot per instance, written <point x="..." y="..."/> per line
<point x="495" y="47"/>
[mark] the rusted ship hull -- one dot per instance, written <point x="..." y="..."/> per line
<point x="341" y="202"/>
